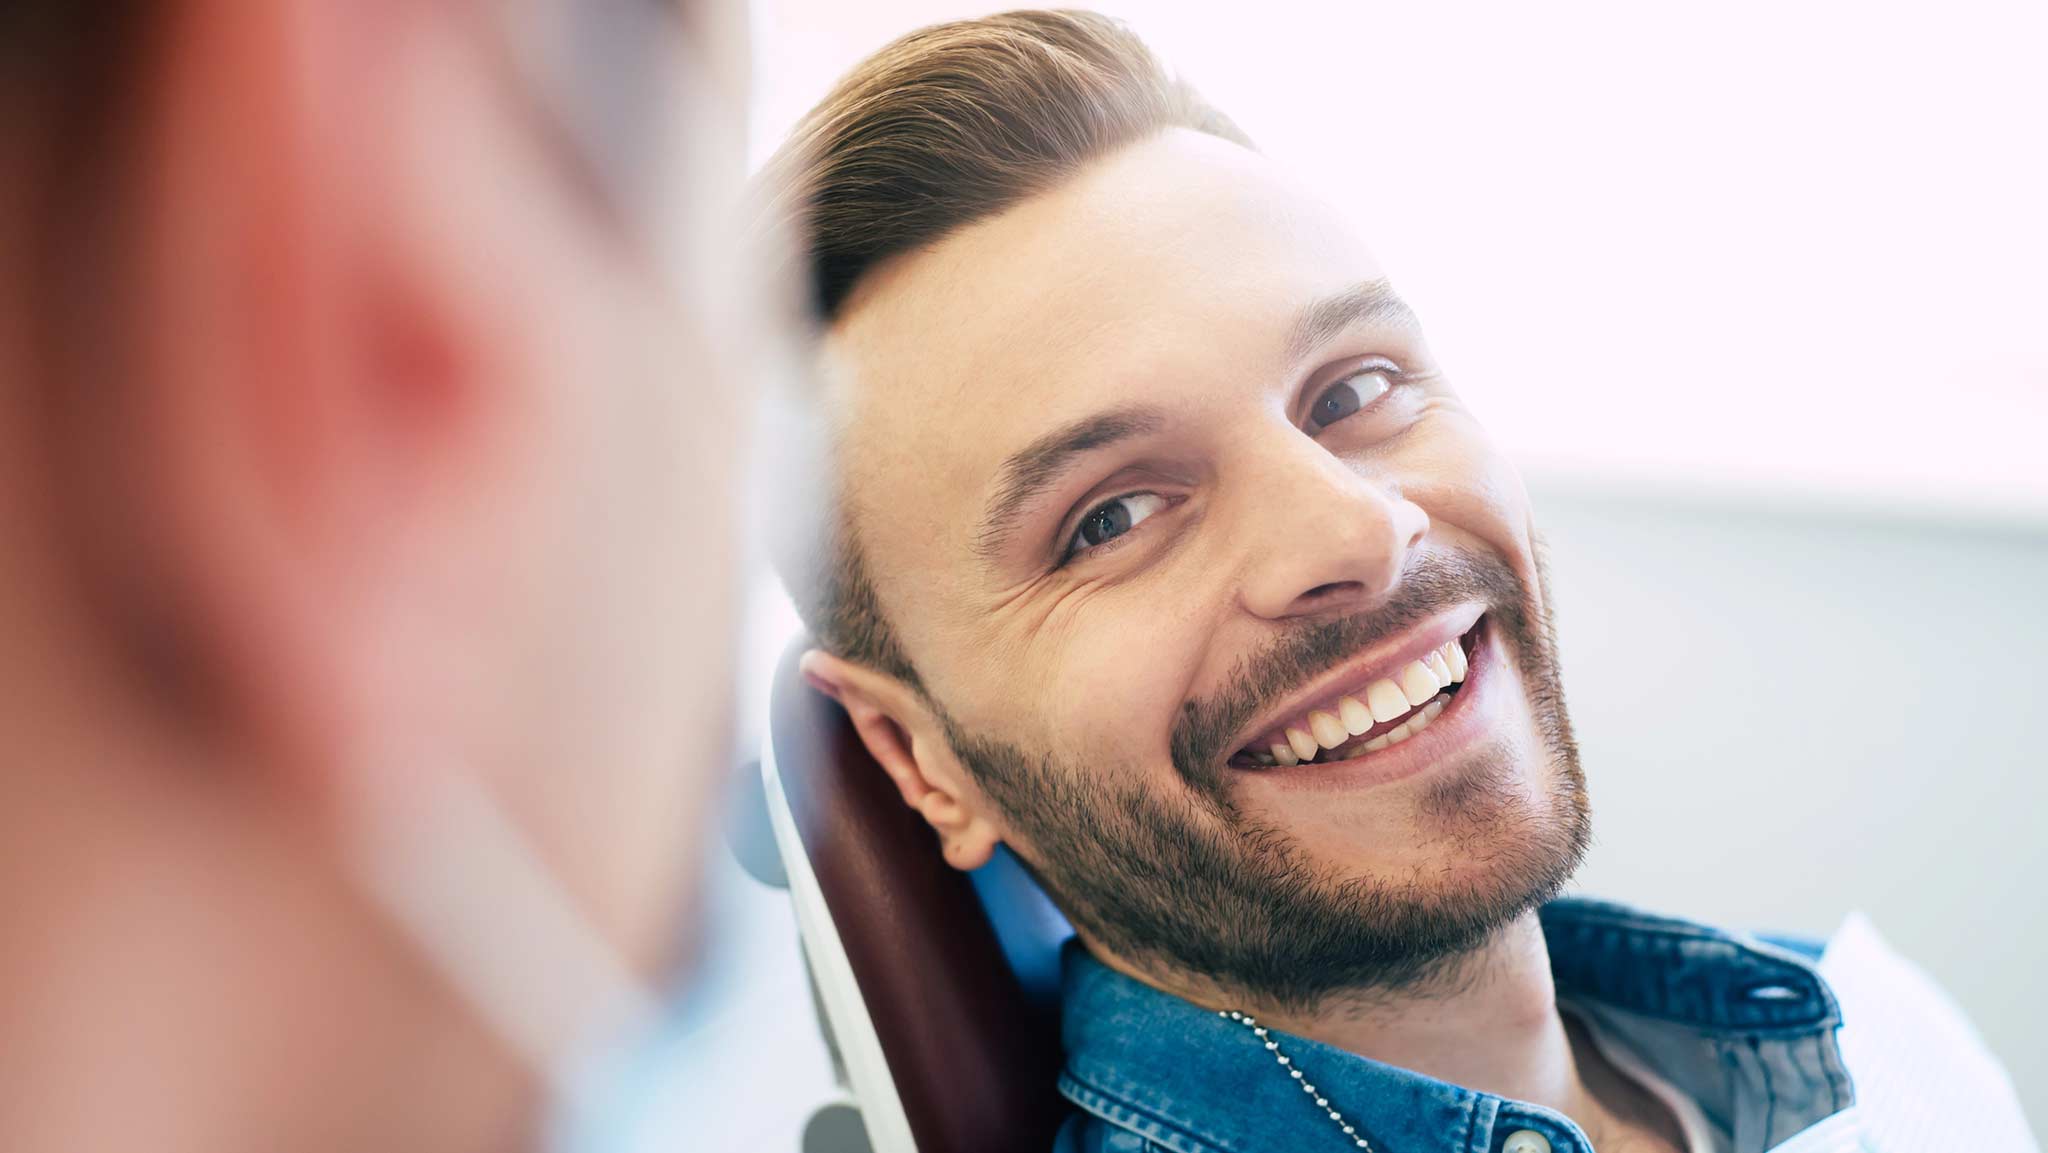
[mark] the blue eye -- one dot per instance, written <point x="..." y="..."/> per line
<point x="1113" y="518"/>
<point x="1348" y="396"/>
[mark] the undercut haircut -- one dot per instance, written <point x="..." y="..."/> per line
<point x="949" y="125"/>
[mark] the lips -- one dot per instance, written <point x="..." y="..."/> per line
<point x="1374" y="711"/>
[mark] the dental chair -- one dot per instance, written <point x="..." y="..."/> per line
<point x="937" y="990"/>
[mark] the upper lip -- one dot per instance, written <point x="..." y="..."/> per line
<point x="1382" y="660"/>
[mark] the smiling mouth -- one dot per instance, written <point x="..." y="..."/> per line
<point x="1377" y="714"/>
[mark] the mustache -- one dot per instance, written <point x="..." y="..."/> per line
<point x="1432" y="583"/>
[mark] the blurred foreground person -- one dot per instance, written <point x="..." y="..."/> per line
<point x="365" y="432"/>
<point x="1168" y="556"/>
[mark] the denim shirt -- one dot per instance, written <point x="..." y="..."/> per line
<point x="1745" y="1028"/>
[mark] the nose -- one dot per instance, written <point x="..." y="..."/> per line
<point x="1328" y="536"/>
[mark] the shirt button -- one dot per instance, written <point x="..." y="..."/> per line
<point x="1526" y="1141"/>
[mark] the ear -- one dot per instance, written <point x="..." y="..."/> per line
<point x="905" y="737"/>
<point x="308" y="394"/>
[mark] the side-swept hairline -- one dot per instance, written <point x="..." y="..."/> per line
<point x="946" y="126"/>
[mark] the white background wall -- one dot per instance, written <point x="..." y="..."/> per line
<point x="1786" y="715"/>
<point x="1755" y="293"/>
<point x="1778" y="246"/>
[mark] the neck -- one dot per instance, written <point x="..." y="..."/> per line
<point x="1487" y="1020"/>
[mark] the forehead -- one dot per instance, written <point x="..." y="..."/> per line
<point x="1170" y="272"/>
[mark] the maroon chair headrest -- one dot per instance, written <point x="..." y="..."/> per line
<point x="974" y="1057"/>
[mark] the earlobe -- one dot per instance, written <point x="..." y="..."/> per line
<point x="903" y="737"/>
<point x="971" y="845"/>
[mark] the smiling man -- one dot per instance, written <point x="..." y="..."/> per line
<point x="1165" y="553"/>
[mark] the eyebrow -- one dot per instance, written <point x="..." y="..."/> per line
<point x="1369" y="302"/>
<point x="1038" y="466"/>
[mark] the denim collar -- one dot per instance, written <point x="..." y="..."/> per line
<point x="1745" y="1028"/>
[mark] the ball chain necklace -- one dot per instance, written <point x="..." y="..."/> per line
<point x="1308" y="1087"/>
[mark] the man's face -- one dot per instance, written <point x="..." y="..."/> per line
<point x="1149" y="471"/>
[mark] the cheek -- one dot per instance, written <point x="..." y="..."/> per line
<point x="1117" y="676"/>
<point x="1470" y="488"/>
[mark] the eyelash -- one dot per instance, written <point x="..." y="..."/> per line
<point x="1074" y="546"/>
<point x="1395" y="378"/>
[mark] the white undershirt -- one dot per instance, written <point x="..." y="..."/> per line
<point x="1700" y="1135"/>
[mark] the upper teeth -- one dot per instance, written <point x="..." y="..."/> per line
<point x="1386" y="700"/>
<point x="1330" y="732"/>
<point x="1420" y="684"/>
<point x="1303" y="744"/>
<point x="1383" y="700"/>
<point x="1357" y="718"/>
